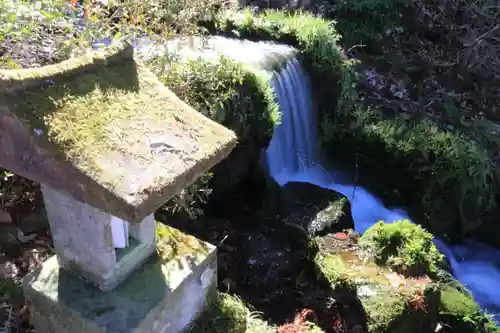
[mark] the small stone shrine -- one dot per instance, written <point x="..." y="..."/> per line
<point x="107" y="140"/>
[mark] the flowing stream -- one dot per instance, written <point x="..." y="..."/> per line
<point x="294" y="155"/>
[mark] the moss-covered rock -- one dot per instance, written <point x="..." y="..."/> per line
<point x="401" y="245"/>
<point x="461" y="314"/>
<point x="317" y="41"/>
<point x="389" y="302"/>
<point x="229" y="314"/>
<point x="394" y="302"/>
<point x="444" y="178"/>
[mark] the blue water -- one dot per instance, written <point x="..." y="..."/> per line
<point x="294" y="155"/>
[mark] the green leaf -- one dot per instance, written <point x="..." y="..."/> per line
<point x="12" y="17"/>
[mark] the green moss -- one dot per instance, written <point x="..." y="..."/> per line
<point x="383" y="303"/>
<point x="172" y="243"/>
<point x="229" y="314"/>
<point x="444" y="178"/>
<point x="459" y="311"/>
<point x="383" y="310"/>
<point x="333" y="267"/>
<point x="314" y="37"/>
<point x="226" y="92"/>
<point x="316" y="40"/>
<point x="402" y="245"/>
<point x="75" y="115"/>
<point x="10" y="291"/>
<point x="457" y="303"/>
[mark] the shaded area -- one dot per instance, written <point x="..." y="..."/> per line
<point x="271" y="264"/>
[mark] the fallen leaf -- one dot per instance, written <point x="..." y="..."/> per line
<point x="5" y="217"/>
<point x="340" y="236"/>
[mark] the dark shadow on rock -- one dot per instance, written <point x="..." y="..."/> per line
<point x="418" y="318"/>
<point x="270" y="264"/>
<point x="120" y="310"/>
<point x="310" y="208"/>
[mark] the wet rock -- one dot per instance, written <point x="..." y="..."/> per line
<point x="313" y="209"/>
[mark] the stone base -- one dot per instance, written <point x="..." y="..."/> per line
<point x="162" y="296"/>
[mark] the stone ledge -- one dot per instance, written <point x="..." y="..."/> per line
<point x="163" y="296"/>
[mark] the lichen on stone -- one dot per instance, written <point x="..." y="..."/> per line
<point x="110" y="118"/>
<point x="173" y="244"/>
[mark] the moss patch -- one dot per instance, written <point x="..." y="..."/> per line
<point x="86" y="116"/>
<point x="173" y="244"/>
<point x="229" y="314"/>
<point x="383" y="309"/>
<point x="462" y="314"/>
<point x="314" y="37"/>
<point x="403" y="246"/>
<point x="334" y="269"/>
<point x="225" y="91"/>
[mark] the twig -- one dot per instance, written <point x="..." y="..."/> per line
<point x="354" y="47"/>
<point x="483" y="36"/>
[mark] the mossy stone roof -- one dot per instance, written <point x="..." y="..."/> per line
<point x="104" y="129"/>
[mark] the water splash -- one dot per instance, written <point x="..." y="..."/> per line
<point x="294" y="155"/>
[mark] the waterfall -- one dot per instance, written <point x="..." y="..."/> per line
<point x="293" y="155"/>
